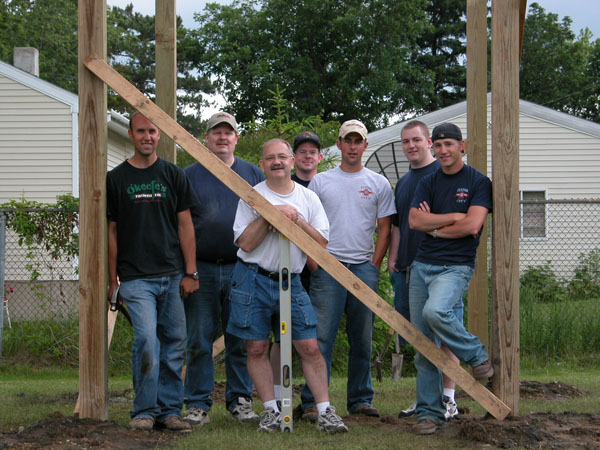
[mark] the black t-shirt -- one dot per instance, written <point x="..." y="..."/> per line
<point x="213" y="216"/>
<point x="449" y="194"/>
<point x="404" y="192"/>
<point x="144" y="203"/>
<point x="304" y="183"/>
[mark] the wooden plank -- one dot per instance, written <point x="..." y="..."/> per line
<point x="93" y="353"/>
<point x="111" y="321"/>
<point x="354" y="285"/>
<point x="478" y="314"/>
<point x="166" y="69"/>
<point x="522" y="15"/>
<point x="505" y="173"/>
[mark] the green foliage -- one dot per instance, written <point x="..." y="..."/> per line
<point x="45" y="228"/>
<point x="540" y="282"/>
<point x="586" y="283"/>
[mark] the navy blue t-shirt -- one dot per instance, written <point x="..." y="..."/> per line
<point x="448" y="194"/>
<point x="213" y="216"/>
<point x="404" y="193"/>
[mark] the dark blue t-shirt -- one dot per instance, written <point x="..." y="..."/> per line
<point x="448" y="194"/>
<point x="213" y="216"/>
<point x="404" y="193"/>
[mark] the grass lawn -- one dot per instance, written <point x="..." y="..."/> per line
<point x="27" y="396"/>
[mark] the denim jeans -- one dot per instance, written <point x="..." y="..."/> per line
<point x="401" y="297"/>
<point x="204" y="309"/>
<point x="330" y="301"/>
<point x="158" y="318"/>
<point x="434" y="293"/>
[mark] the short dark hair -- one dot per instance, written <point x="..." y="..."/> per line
<point x="414" y="124"/>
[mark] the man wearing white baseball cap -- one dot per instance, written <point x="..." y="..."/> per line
<point x="355" y="199"/>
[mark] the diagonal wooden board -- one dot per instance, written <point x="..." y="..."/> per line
<point x="354" y="285"/>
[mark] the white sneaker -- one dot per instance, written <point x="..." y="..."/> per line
<point x="270" y="421"/>
<point x="410" y="411"/>
<point x="197" y="416"/>
<point x="243" y="411"/>
<point x="451" y="407"/>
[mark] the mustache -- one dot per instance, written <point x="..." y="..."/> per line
<point x="277" y="166"/>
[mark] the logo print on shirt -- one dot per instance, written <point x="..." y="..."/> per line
<point x="366" y="192"/>
<point x="462" y="195"/>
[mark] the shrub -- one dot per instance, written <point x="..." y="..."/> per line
<point x="541" y="283"/>
<point x="586" y="283"/>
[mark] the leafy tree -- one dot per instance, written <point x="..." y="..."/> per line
<point x="339" y="58"/>
<point x="558" y="69"/>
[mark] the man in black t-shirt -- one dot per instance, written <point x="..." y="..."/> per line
<point x="215" y="258"/>
<point x="151" y="253"/>
<point x="307" y="151"/>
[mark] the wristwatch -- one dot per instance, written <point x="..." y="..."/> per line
<point x="194" y="275"/>
<point x="434" y="234"/>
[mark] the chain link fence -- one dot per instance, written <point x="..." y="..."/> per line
<point x="559" y="234"/>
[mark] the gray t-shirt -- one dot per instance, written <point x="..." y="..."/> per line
<point x="353" y="203"/>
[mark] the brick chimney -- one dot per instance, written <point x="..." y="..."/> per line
<point x="27" y="59"/>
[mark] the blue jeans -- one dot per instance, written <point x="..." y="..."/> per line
<point x="203" y="311"/>
<point x="434" y="294"/>
<point x="401" y="297"/>
<point x="158" y="318"/>
<point x="330" y="300"/>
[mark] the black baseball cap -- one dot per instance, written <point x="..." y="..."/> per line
<point x="307" y="136"/>
<point x="446" y="131"/>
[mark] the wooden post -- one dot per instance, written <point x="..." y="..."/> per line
<point x="93" y="354"/>
<point x="505" y="176"/>
<point x="289" y="229"/>
<point x="166" y="70"/>
<point x="478" y="310"/>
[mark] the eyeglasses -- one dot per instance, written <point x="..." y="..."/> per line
<point x="280" y="157"/>
<point x="308" y="152"/>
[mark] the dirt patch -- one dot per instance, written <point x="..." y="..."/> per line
<point x="565" y="430"/>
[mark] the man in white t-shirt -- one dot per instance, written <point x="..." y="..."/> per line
<point x="255" y="285"/>
<point x="356" y="200"/>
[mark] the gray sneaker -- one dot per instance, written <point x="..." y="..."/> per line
<point x="269" y="421"/>
<point x="197" y="416"/>
<point x="451" y="407"/>
<point x="410" y="411"/>
<point x="243" y="411"/>
<point x="331" y="422"/>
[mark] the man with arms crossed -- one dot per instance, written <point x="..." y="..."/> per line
<point x="416" y="144"/>
<point x="255" y="285"/>
<point x="151" y="248"/>
<point x="355" y="200"/>
<point x="451" y="206"/>
<point x="216" y="256"/>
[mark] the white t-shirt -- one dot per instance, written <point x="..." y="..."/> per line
<point x="266" y="255"/>
<point x="353" y="203"/>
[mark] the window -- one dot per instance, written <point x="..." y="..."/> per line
<point x="533" y="215"/>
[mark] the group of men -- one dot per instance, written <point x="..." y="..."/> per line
<point x="190" y="255"/>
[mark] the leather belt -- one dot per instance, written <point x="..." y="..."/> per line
<point x="271" y="275"/>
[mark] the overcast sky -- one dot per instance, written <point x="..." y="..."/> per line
<point x="585" y="13"/>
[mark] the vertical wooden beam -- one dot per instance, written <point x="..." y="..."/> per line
<point x="166" y="70"/>
<point x="93" y="354"/>
<point x="477" y="154"/>
<point x="505" y="176"/>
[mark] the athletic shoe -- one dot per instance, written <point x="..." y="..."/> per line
<point x="451" y="407"/>
<point x="331" y="422"/>
<point x="484" y="370"/>
<point x="366" y="410"/>
<point x="410" y="411"/>
<point x="243" y="411"/>
<point x="310" y="414"/>
<point x="270" y="421"/>
<point x="197" y="416"/>
<point x="425" y="426"/>
<point x="142" y="423"/>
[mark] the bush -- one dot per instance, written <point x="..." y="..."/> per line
<point x="586" y="283"/>
<point x="540" y="282"/>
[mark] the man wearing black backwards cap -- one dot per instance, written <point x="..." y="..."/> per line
<point x="215" y="258"/>
<point x="451" y="206"/>
<point x="307" y="150"/>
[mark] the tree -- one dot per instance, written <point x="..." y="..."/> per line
<point x="559" y="69"/>
<point x="340" y="58"/>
